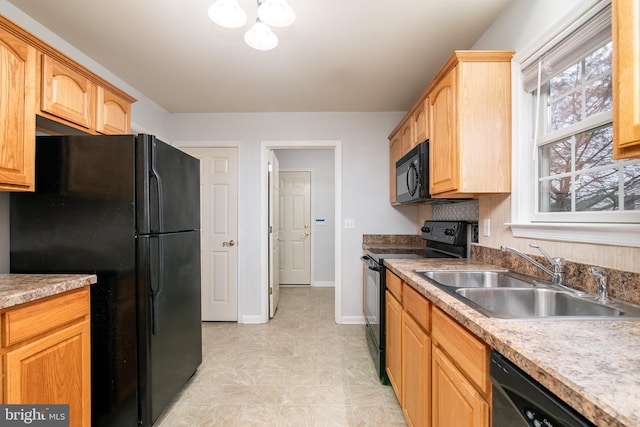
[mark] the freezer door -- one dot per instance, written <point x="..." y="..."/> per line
<point x="167" y="188"/>
<point x="170" y="332"/>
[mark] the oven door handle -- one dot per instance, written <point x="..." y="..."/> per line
<point x="371" y="264"/>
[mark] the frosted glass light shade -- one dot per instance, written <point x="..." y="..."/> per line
<point x="261" y="37"/>
<point x="227" y="13"/>
<point x="276" y="13"/>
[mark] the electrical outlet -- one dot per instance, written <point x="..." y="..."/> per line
<point x="349" y="223"/>
<point x="486" y="227"/>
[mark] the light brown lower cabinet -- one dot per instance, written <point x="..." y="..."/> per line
<point x="393" y="353"/>
<point x="438" y="369"/>
<point x="46" y="354"/>
<point x="460" y="381"/>
<point x="416" y="357"/>
<point x="455" y="401"/>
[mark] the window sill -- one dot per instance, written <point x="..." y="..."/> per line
<point x="604" y="234"/>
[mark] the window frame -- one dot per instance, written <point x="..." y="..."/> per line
<point x="525" y="221"/>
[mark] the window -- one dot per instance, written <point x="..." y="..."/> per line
<point x="566" y="185"/>
<point x="576" y="177"/>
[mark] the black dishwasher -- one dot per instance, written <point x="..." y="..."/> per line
<point x="518" y="400"/>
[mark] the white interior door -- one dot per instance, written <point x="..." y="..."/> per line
<point x="295" y="230"/>
<point x="274" y="235"/>
<point x="219" y="231"/>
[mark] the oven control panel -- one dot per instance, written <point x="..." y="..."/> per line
<point x="450" y="232"/>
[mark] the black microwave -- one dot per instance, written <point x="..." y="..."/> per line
<point x="412" y="175"/>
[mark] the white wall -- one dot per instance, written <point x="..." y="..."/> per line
<point x="320" y="163"/>
<point x="522" y="22"/>
<point x="365" y="184"/>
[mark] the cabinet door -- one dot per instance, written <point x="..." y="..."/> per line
<point x="55" y="369"/>
<point x="67" y="94"/>
<point x="17" y="113"/>
<point x="421" y="122"/>
<point x="113" y="115"/>
<point x="443" y="151"/>
<point x="393" y="343"/>
<point x="395" y="152"/>
<point x="626" y="78"/>
<point x="406" y="134"/>
<point x="456" y="403"/>
<point x="416" y="355"/>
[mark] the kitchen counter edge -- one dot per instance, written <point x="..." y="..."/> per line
<point x="547" y="350"/>
<point x="18" y="289"/>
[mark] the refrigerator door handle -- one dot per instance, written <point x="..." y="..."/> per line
<point x="156" y="285"/>
<point x="159" y="197"/>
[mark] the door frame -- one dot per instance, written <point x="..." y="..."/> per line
<point x="265" y="146"/>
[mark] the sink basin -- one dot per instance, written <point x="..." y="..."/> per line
<point x="534" y="303"/>
<point x="477" y="279"/>
<point x="506" y="294"/>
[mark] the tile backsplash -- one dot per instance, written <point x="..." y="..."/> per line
<point x="458" y="211"/>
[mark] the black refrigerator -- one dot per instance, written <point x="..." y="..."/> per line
<point x="126" y="208"/>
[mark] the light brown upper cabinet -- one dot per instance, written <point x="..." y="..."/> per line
<point x="395" y="153"/>
<point x="421" y="122"/>
<point x="36" y="79"/>
<point x="66" y="94"/>
<point x="470" y="125"/>
<point x="114" y="113"/>
<point x="406" y="134"/>
<point x="626" y="78"/>
<point x="17" y="113"/>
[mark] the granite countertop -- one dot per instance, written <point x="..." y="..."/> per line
<point x="594" y="366"/>
<point x="22" y="288"/>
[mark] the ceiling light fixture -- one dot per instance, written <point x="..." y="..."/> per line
<point x="275" y="13"/>
<point x="260" y="36"/>
<point x="227" y="13"/>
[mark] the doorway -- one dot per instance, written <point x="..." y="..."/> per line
<point x="329" y="220"/>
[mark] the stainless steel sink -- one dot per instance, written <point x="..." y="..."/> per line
<point x="478" y="279"/>
<point x="530" y="303"/>
<point x="509" y="295"/>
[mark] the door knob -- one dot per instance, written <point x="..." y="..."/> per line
<point x="305" y="235"/>
<point x="229" y="243"/>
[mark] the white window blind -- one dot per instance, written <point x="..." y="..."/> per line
<point x="587" y="34"/>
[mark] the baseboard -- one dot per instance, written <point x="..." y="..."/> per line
<point x="251" y="320"/>
<point x="324" y="284"/>
<point x="352" y="320"/>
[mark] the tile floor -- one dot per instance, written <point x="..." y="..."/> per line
<point x="300" y="369"/>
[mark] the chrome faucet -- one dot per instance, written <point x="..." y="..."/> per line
<point x="557" y="274"/>
<point x="601" y="282"/>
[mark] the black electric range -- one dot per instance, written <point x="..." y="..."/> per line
<point x="443" y="239"/>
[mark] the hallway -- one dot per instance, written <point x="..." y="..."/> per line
<point x="300" y="369"/>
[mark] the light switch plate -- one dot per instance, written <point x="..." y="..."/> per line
<point x="486" y="227"/>
<point x="349" y="223"/>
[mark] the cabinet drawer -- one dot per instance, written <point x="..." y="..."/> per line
<point x="34" y="319"/>
<point x="417" y="306"/>
<point x="468" y="353"/>
<point x="394" y="285"/>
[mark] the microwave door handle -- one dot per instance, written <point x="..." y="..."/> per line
<point x="412" y="173"/>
